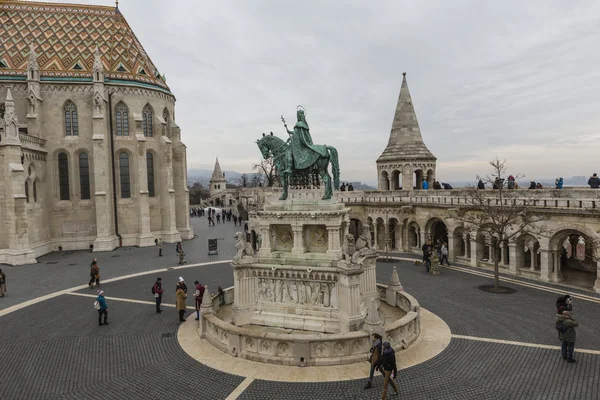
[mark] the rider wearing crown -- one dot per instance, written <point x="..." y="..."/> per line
<point x="301" y="152"/>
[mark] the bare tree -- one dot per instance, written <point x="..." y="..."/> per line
<point x="268" y="170"/>
<point x="501" y="212"/>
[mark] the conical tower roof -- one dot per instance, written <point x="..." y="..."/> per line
<point x="217" y="174"/>
<point x="406" y="142"/>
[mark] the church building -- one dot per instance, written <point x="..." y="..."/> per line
<point x="90" y="154"/>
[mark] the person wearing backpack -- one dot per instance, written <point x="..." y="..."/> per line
<point x="94" y="274"/>
<point x="389" y="369"/>
<point x="157" y="291"/>
<point x="102" y="308"/>
<point x="566" y="324"/>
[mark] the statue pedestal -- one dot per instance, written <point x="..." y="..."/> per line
<point x="298" y="280"/>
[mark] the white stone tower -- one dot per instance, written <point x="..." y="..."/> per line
<point x="218" y="183"/>
<point x="406" y="160"/>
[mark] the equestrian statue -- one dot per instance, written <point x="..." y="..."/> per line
<point x="299" y="157"/>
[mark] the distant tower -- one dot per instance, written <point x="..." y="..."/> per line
<point x="406" y="160"/>
<point x="218" y="183"/>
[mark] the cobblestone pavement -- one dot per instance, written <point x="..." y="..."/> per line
<point x="62" y="270"/>
<point x="55" y="350"/>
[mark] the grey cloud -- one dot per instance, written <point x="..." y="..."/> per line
<point x="513" y="79"/>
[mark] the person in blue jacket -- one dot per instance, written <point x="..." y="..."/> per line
<point x="103" y="308"/>
<point x="425" y="185"/>
<point x="559" y="183"/>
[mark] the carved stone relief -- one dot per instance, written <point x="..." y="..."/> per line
<point x="295" y="292"/>
<point x="316" y="238"/>
<point x="282" y="237"/>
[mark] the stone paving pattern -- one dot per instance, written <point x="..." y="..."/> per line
<point x="55" y="350"/>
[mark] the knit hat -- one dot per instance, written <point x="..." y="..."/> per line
<point x="158" y="279"/>
<point x="100" y="292"/>
<point x="180" y="279"/>
<point x="386" y="345"/>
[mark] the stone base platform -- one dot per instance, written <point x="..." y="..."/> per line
<point x="435" y="337"/>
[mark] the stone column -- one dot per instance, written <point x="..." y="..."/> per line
<point x="556" y="270"/>
<point x="474" y="252"/>
<point x="451" y="247"/>
<point x="299" y="247"/>
<point x="265" y="233"/>
<point x="545" y="265"/>
<point x="513" y="265"/>
<point x="375" y="231"/>
<point x="145" y="237"/>
<point x="163" y="167"/>
<point x="333" y="235"/>
<point x="533" y="258"/>
<point x="597" y="283"/>
<point x="466" y="243"/>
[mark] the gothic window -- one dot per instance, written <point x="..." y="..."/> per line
<point x="27" y="191"/>
<point x="71" y="122"/>
<point x="122" y="120"/>
<point x="150" y="172"/>
<point x="63" y="176"/>
<point x="147" y="120"/>
<point x="35" y="191"/>
<point x="124" y="175"/>
<point x="84" y="176"/>
<point x="2" y="108"/>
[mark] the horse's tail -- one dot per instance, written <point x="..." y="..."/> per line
<point x="335" y="166"/>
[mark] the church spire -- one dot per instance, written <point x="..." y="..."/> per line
<point x="405" y="136"/>
<point x="217" y="174"/>
<point x="406" y="161"/>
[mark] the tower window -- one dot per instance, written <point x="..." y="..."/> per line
<point x="124" y="175"/>
<point x="63" y="176"/>
<point x="71" y="122"/>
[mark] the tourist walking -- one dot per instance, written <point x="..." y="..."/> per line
<point x="94" y="274"/>
<point x="2" y="283"/>
<point x="388" y="365"/>
<point x="374" y="357"/>
<point x="181" y="253"/>
<point x="159" y="243"/>
<point x="218" y="218"/>
<point x="444" y="253"/>
<point x="426" y="254"/>
<point x="198" y="296"/>
<point x="181" y="296"/>
<point x="566" y="324"/>
<point x="594" y="181"/>
<point x="102" y="308"/>
<point x="157" y="291"/>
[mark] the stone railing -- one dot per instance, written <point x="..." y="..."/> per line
<point x="575" y="198"/>
<point x="32" y="142"/>
<point x="309" y="348"/>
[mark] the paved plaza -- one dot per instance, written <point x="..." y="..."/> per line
<point x="502" y="346"/>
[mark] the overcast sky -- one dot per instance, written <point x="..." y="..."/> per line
<point x="518" y="80"/>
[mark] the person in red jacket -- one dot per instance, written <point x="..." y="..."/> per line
<point x="158" y="291"/>
<point x="198" y="294"/>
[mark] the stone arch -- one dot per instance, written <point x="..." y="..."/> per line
<point x="396" y="180"/>
<point x="133" y="176"/>
<point x="394" y="229"/>
<point x="418" y="181"/>
<point x="56" y="179"/>
<point x="462" y="242"/>
<point x="355" y="227"/>
<point x="384" y="181"/>
<point x="380" y="233"/>
<point x="436" y="229"/>
<point x="413" y="236"/>
<point x="80" y="179"/>
<point x="527" y="255"/>
<point x="484" y="242"/>
<point x="574" y="266"/>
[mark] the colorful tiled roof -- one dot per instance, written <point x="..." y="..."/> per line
<point x="65" y="38"/>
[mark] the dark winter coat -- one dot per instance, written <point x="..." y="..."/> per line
<point x="594" y="182"/>
<point x="569" y="335"/>
<point x="388" y="360"/>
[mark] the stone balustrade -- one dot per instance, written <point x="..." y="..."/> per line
<point x="309" y="348"/>
<point x="32" y="143"/>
